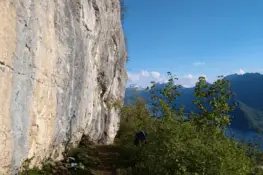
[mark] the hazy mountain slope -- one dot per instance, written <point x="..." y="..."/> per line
<point x="248" y="88"/>
<point x="247" y="118"/>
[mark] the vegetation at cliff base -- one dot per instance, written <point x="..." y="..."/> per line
<point x="190" y="145"/>
<point x="176" y="144"/>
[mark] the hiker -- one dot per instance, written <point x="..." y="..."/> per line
<point x="140" y="137"/>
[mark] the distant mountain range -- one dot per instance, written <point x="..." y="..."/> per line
<point x="246" y="118"/>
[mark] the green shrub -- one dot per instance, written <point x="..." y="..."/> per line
<point x="175" y="145"/>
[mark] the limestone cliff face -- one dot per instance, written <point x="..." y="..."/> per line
<point x="61" y="63"/>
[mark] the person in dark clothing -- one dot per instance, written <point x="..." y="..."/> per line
<point x="140" y="137"/>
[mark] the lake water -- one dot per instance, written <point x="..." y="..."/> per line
<point x="246" y="136"/>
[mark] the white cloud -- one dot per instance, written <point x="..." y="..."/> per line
<point x="186" y="86"/>
<point x="240" y="72"/>
<point x="190" y="76"/>
<point x="134" y="77"/>
<point x="155" y="74"/>
<point x="196" y="64"/>
<point x="143" y="79"/>
<point x="189" y="80"/>
<point x="145" y="73"/>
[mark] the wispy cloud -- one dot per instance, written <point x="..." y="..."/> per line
<point x="143" y="79"/>
<point x="240" y="72"/>
<point x="189" y="80"/>
<point x="145" y="73"/>
<point x="156" y="75"/>
<point x="196" y="64"/>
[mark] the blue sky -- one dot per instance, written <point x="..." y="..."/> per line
<point x="191" y="38"/>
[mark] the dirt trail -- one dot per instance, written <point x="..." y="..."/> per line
<point x="106" y="157"/>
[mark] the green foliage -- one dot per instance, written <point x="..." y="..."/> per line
<point x="163" y="99"/>
<point x="175" y="145"/>
<point x="47" y="169"/>
<point x="133" y="118"/>
<point x="50" y="167"/>
<point x="116" y="104"/>
<point x="180" y="149"/>
<point x="213" y="104"/>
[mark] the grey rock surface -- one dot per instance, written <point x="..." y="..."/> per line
<point x="62" y="66"/>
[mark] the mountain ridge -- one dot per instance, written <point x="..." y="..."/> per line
<point x="248" y="115"/>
